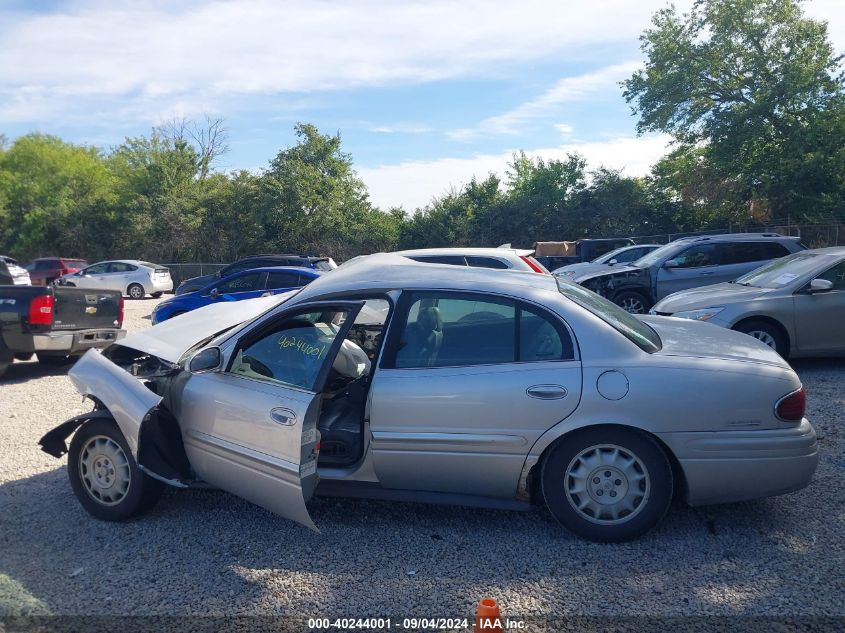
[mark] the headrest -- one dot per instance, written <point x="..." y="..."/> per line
<point x="430" y="319"/>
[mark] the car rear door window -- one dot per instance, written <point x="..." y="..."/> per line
<point x="741" y="253"/>
<point x="456" y="329"/>
<point x="120" y="267"/>
<point x="283" y="280"/>
<point x="485" y="262"/>
<point x="697" y="256"/>
<point x="452" y="260"/>
<point x="242" y="283"/>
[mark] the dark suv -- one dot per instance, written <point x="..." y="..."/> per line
<point x="688" y="262"/>
<point x="324" y="264"/>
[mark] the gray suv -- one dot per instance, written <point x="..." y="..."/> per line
<point x="688" y="262"/>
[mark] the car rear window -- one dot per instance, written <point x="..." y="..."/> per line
<point x="639" y="333"/>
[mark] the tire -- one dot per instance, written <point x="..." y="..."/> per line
<point x="23" y="356"/>
<point x="69" y="284"/>
<point x="156" y="295"/>
<point x="136" y="291"/>
<point x="644" y="486"/>
<point x="4" y="365"/>
<point x="56" y="360"/>
<point x="767" y="333"/>
<point x="104" y="475"/>
<point x="633" y="302"/>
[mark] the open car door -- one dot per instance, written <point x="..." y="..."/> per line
<point x="250" y="425"/>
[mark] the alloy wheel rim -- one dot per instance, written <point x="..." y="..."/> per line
<point x="104" y="470"/>
<point x="632" y="305"/>
<point x="607" y="484"/>
<point x="764" y="337"/>
<point x="135" y="292"/>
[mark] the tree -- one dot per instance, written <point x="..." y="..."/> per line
<point x="746" y="85"/>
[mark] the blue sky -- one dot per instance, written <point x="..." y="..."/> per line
<point x="425" y="94"/>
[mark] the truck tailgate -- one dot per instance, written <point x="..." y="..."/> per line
<point x="81" y="309"/>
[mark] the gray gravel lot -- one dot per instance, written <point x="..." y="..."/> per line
<point x="206" y="552"/>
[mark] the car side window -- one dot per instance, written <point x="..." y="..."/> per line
<point x="774" y="250"/>
<point x="96" y="269"/>
<point x="836" y="275"/>
<point x="120" y="267"/>
<point x="741" y="253"/>
<point x="45" y="265"/>
<point x="629" y="255"/>
<point x="242" y="283"/>
<point x="292" y="353"/>
<point x="485" y="262"/>
<point x="282" y="280"/>
<point x="697" y="256"/>
<point x="452" y="260"/>
<point x="456" y="329"/>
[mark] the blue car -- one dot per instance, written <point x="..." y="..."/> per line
<point x="246" y="284"/>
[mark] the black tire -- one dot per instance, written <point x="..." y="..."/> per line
<point x="70" y="284"/>
<point x="136" y="291"/>
<point x="649" y="498"/>
<point x="23" y="356"/>
<point x="633" y="302"/>
<point x="140" y="494"/>
<point x="156" y="295"/>
<point x="4" y="365"/>
<point x="56" y="360"/>
<point x="767" y="333"/>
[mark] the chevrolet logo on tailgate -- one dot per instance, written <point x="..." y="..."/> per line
<point x="91" y="300"/>
<point x="91" y="310"/>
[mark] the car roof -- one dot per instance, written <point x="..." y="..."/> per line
<point x="283" y="255"/>
<point x="390" y="270"/>
<point x="488" y="252"/>
<point x="298" y="270"/>
<point x="828" y="250"/>
<point x="736" y="237"/>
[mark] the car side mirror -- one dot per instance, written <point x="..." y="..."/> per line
<point x="670" y="263"/>
<point x="613" y="262"/>
<point x="214" y="293"/>
<point x="207" y="360"/>
<point x="820" y="285"/>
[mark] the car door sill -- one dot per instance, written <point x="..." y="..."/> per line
<point x="368" y="490"/>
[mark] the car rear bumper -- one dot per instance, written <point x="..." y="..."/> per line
<point x="77" y="341"/>
<point x="161" y="285"/>
<point x="728" y="466"/>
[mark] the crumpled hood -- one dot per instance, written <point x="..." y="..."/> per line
<point x="708" y="297"/>
<point x="171" y="339"/>
<point x="696" y="339"/>
<point x="584" y="269"/>
<point x="605" y="271"/>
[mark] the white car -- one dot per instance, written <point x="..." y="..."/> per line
<point x="11" y="273"/>
<point x="131" y="276"/>
<point x="502" y="258"/>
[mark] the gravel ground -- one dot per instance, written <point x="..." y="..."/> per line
<point x="207" y="552"/>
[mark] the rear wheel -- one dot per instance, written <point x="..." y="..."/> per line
<point x="156" y="295"/>
<point x="24" y="356"/>
<point x="136" y="291"/>
<point x="767" y="333"/>
<point x="633" y="302"/>
<point x="104" y="475"/>
<point x="607" y="484"/>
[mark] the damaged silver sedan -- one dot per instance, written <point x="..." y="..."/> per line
<point x="394" y="379"/>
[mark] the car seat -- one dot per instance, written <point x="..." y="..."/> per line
<point x="422" y="339"/>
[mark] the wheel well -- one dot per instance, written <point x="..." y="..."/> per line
<point x="769" y="320"/>
<point x="642" y="292"/>
<point x="678" y="478"/>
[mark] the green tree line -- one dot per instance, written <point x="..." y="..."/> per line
<point x="751" y="92"/>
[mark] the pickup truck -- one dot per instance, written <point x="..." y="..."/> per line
<point x="57" y="324"/>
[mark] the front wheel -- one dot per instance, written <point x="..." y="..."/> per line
<point x="632" y="302"/>
<point x="136" y="291"/>
<point x="765" y="333"/>
<point x="607" y="484"/>
<point x="104" y="475"/>
<point x="156" y="295"/>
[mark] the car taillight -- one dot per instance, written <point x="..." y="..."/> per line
<point x="41" y="310"/>
<point x="791" y="407"/>
<point x="534" y="265"/>
<point x="120" y="313"/>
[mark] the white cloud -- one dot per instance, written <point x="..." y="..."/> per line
<point x="566" y="90"/>
<point x="401" y="128"/>
<point x="412" y="184"/>
<point x="191" y="54"/>
<point x="565" y="129"/>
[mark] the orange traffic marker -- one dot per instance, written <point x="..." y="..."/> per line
<point x="487" y="616"/>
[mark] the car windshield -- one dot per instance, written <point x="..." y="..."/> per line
<point x="324" y="265"/>
<point x="639" y="333"/>
<point x="650" y="259"/>
<point x="783" y="271"/>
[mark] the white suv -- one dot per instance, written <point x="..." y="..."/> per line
<point x="502" y="258"/>
<point x="131" y="276"/>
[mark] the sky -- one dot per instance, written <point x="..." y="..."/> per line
<point x="425" y="94"/>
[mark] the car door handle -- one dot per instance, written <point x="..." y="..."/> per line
<point x="547" y="392"/>
<point x="283" y="416"/>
